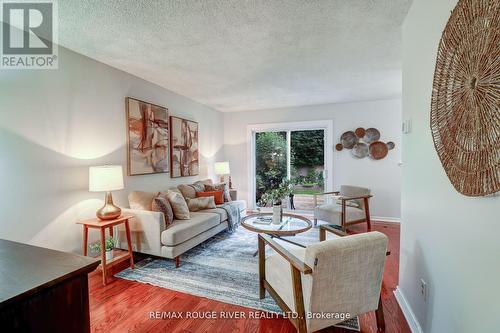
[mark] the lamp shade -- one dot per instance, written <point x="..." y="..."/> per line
<point x="105" y="178"/>
<point x="222" y="168"/>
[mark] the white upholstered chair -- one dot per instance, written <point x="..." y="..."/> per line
<point x="351" y="206"/>
<point x="335" y="277"/>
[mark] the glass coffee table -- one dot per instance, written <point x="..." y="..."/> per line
<point x="290" y="225"/>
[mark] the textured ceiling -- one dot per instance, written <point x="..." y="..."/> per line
<point x="245" y="55"/>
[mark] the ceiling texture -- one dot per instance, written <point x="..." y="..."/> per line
<point x="246" y="55"/>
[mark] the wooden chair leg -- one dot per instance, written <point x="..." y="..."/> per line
<point x="379" y="314"/>
<point x="177" y="261"/>
<point x="262" y="268"/>
<point x="367" y="214"/>
<point x="322" y="234"/>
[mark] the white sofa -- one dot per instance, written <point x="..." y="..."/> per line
<point x="150" y="234"/>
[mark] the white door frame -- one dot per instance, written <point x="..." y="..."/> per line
<point x="326" y="125"/>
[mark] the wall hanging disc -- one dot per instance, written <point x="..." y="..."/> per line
<point x="360" y="132"/>
<point x="378" y="150"/>
<point x="360" y="150"/>
<point x="465" y="103"/>
<point x="349" y="139"/>
<point x="371" y="135"/>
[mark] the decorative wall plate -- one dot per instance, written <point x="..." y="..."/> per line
<point x="371" y="135"/>
<point x="390" y="145"/>
<point x="360" y="150"/>
<point x="339" y="147"/>
<point x="465" y="116"/>
<point x="360" y="132"/>
<point x="378" y="150"/>
<point x="348" y="139"/>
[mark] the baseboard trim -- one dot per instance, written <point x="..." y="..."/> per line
<point x="386" y="219"/>
<point x="408" y="313"/>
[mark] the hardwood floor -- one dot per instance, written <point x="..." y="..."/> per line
<point x="125" y="306"/>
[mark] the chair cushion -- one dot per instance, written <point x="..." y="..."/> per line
<point x="331" y="213"/>
<point x="182" y="230"/>
<point x="279" y="274"/>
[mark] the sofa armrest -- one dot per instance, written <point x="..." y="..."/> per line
<point x="145" y="230"/>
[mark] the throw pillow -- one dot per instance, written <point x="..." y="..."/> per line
<point x="198" y="186"/>
<point x="200" y="203"/>
<point x="220" y="187"/>
<point x="218" y="196"/>
<point x="179" y="205"/>
<point x="162" y="205"/>
<point x="187" y="191"/>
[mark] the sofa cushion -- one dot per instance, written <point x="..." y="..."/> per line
<point x="218" y="196"/>
<point x="220" y="187"/>
<point x="197" y="204"/>
<point x="182" y="230"/>
<point x="162" y="204"/>
<point x="188" y="191"/>
<point x="221" y="212"/>
<point x="179" y="205"/>
<point x="141" y="200"/>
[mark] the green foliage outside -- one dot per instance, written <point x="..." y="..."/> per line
<point x="270" y="164"/>
<point x="307" y="154"/>
<point x="308" y="148"/>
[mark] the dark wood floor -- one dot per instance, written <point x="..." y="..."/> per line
<point x="125" y="306"/>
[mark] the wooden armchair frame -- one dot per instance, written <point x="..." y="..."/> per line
<point x="298" y="267"/>
<point x="343" y="223"/>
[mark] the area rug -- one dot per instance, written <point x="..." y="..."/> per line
<point x="223" y="268"/>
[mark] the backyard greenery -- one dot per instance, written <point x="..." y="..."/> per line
<point x="307" y="160"/>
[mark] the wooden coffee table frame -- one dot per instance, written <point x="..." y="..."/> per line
<point x="102" y="226"/>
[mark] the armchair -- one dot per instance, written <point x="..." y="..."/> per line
<point x="327" y="282"/>
<point x="353" y="207"/>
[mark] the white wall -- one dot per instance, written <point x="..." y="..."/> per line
<point x="383" y="176"/>
<point x="56" y="123"/>
<point x="448" y="239"/>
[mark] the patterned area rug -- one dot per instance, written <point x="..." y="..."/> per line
<point x="223" y="268"/>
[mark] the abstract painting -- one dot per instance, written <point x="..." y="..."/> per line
<point x="184" y="148"/>
<point x="147" y="137"/>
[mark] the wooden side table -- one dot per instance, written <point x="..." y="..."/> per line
<point x="95" y="223"/>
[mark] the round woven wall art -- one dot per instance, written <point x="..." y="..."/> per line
<point x="465" y="116"/>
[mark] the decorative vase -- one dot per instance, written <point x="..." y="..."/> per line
<point x="277" y="213"/>
<point x="109" y="255"/>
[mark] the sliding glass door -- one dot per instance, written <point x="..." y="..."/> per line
<point x="297" y="155"/>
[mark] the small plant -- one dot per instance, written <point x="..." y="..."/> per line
<point x="110" y="245"/>
<point x="275" y="196"/>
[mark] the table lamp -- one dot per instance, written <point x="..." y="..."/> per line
<point x="222" y="168"/>
<point x="106" y="178"/>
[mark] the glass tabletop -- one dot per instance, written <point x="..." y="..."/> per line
<point x="290" y="224"/>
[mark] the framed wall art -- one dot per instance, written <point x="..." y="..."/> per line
<point x="147" y="137"/>
<point x="184" y="160"/>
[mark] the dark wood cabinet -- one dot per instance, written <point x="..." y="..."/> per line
<point x="43" y="290"/>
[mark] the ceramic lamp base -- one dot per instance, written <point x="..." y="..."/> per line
<point x="109" y="211"/>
